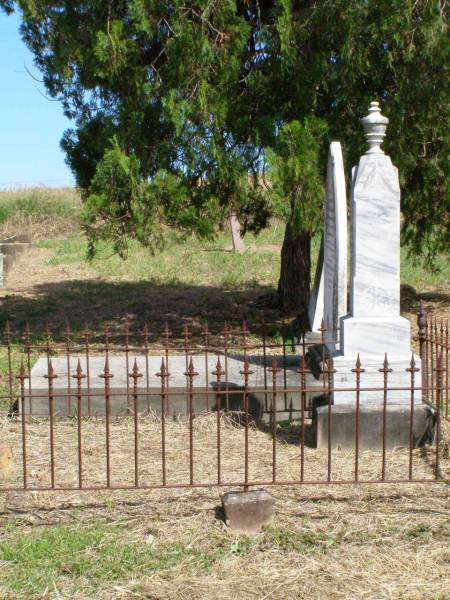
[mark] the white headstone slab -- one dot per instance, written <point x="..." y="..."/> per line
<point x="315" y="310"/>
<point x="335" y="244"/>
<point x="375" y="272"/>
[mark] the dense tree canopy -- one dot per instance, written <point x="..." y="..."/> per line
<point x="180" y="108"/>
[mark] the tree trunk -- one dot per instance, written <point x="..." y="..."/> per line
<point x="295" y="274"/>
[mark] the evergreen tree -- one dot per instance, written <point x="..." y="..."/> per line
<point x="183" y="109"/>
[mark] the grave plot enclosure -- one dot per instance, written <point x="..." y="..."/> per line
<point x="237" y="406"/>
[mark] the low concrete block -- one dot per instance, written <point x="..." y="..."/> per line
<point x="343" y="426"/>
<point x="248" y="512"/>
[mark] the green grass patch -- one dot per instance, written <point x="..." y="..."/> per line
<point x="417" y="274"/>
<point x="185" y="261"/>
<point x="302" y="542"/>
<point x="84" y="559"/>
<point x="195" y="262"/>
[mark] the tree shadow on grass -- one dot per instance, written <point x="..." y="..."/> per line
<point x="98" y="302"/>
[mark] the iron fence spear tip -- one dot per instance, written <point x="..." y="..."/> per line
<point x="135" y="373"/>
<point x="22" y="372"/>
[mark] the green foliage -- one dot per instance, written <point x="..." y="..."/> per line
<point x="120" y="203"/>
<point x="195" y="93"/>
<point x="295" y="174"/>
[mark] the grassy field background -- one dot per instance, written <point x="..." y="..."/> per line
<point x="355" y="543"/>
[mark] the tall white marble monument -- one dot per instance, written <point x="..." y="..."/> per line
<point x="374" y="326"/>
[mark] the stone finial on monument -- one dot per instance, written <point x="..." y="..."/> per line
<point x="374" y="325"/>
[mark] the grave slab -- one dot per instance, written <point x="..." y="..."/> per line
<point x="205" y="396"/>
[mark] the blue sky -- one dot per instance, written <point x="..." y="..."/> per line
<point x="30" y="125"/>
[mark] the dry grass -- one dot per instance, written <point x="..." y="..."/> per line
<point x="177" y="454"/>
<point x="366" y="542"/>
<point x="40" y="212"/>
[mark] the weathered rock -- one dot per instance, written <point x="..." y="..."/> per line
<point x="248" y="512"/>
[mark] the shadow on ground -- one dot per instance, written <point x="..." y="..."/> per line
<point x="117" y="303"/>
<point x="410" y="298"/>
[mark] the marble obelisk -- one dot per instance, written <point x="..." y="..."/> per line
<point x="374" y="326"/>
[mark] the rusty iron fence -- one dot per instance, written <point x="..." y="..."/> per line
<point x="208" y="408"/>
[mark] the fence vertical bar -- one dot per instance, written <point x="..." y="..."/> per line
<point x="385" y="370"/>
<point x="164" y="375"/>
<point x="322" y="330"/>
<point x="7" y="336"/>
<point x="328" y="372"/>
<point x="186" y="335"/>
<point x="412" y="370"/>
<point x="21" y="377"/>
<point x="190" y="374"/>
<point x="205" y="334"/>
<point x="264" y="332"/>
<point x="145" y="334"/>
<point x="126" y="335"/>
<point x="357" y="370"/>
<point x="86" y="334"/>
<point x="79" y="376"/>
<point x="432" y="351"/>
<point x="303" y="370"/>
<point x="284" y="366"/>
<point x="68" y="335"/>
<point x="447" y="416"/>
<point x="439" y="370"/>
<point x="274" y="370"/>
<point x="246" y="373"/>
<point x="107" y="375"/>
<point x="50" y="376"/>
<point x="167" y="336"/>
<point x="135" y="375"/>
<point x="218" y="373"/>
<point x="225" y="348"/>
<point x="27" y="348"/>
<point x="422" y="325"/>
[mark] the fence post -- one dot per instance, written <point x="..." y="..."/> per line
<point x="439" y="370"/>
<point x="422" y="324"/>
